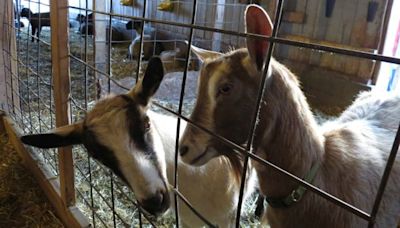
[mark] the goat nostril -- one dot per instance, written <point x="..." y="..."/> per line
<point x="156" y="205"/>
<point x="157" y="199"/>
<point x="183" y="150"/>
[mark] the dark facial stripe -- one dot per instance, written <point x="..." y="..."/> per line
<point x="136" y="124"/>
<point x="101" y="153"/>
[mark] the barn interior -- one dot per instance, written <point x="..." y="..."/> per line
<point x="337" y="49"/>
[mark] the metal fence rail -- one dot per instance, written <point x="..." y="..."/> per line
<point x="30" y="92"/>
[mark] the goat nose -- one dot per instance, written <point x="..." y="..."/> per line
<point x="183" y="150"/>
<point x="156" y="204"/>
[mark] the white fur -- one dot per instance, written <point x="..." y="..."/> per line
<point x="141" y="174"/>
<point x="148" y="46"/>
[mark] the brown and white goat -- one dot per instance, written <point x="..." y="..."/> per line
<point x="351" y="151"/>
<point x="138" y="145"/>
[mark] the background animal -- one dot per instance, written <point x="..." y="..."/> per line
<point x="135" y="25"/>
<point x="37" y="21"/>
<point x="118" y="32"/>
<point x="350" y="153"/>
<point x="85" y="23"/>
<point x="150" y="47"/>
<point x="139" y="146"/>
<point x="171" y="51"/>
<point x="82" y="18"/>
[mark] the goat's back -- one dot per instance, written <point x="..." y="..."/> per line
<point x="357" y="147"/>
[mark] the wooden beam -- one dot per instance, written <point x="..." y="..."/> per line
<point x="293" y="17"/>
<point x="8" y="66"/>
<point x="382" y="39"/>
<point x="327" y="43"/>
<point x="218" y="23"/>
<point x="70" y="216"/>
<point x="61" y="83"/>
<point x="100" y="44"/>
<point x="4" y="41"/>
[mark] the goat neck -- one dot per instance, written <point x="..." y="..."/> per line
<point x="289" y="135"/>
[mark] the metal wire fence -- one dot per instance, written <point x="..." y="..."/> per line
<point x="95" y="58"/>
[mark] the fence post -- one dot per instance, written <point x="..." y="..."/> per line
<point x="10" y="89"/>
<point x="100" y="44"/>
<point x="61" y="84"/>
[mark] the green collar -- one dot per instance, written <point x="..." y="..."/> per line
<point x="296" y="195"/>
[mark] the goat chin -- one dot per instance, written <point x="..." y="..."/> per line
<point x="211" y="188"/>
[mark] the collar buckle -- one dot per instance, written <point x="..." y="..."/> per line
<point x="296" y="195"/>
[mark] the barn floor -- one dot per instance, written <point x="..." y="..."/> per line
<point x="22" y="202"/>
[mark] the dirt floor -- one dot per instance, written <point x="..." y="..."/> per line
<point x="22" y="202"/>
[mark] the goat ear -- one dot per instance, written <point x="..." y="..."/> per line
<point x="152" y="78"/>
<point x="257" y="22"/>
<point x="204" y="54"/>
<point x="59" y="137"/>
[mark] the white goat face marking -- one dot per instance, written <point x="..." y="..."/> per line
<point x="120" y="127"/>
<point x="215" y="79"/>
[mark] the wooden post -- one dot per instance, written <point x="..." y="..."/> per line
<point x="4" y="41"/>
<point x="100" y="46"/>
<point x="61" y="83"/>
<point x="8" y="66"/>
<point x="219" y="18"/>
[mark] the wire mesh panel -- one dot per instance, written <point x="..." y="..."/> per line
<point x="35" y="111"/>
<point x="110" y="44"/>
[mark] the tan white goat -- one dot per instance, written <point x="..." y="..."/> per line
<point x="138" y="145"/>
<point x="345" y="157"/>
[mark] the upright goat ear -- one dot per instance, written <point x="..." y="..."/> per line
<point x="152" y="78"/>
<point x="59" y="137"/>
<point x="257" y="22"/>
<point x="204" y="54"/>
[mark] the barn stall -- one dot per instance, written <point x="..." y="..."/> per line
<point x="335" y="47"/>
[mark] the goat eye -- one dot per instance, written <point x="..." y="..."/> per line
<point x="225" y="88"/>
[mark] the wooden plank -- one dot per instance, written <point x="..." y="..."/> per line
<point x="271" y="9"/>
<point x="287" y="28"/>
<point x="374" y="27"/>
<point x="211" y="14"/>
<point x="8" y="42"/>
<point x="100" y="46"/>
<point x="296" y="29"/>
<point x="219" y="18"/>
<point x="70" y="216"/>
<point x="308" y="27"/>
<point x="357" y="36"/>
<point x="347" y="22"/>
<point x="5" y="19"/>
<point x="227" y="21"/>
<point x="373" y="34"/>
<point x="334" y="34"/>
<point x="61" y="83"/>
<point x="200" y="20"/>
<point x="327" y="43"/>
<point x="385" y="24"/>
<point x="294" y="17"/>
<point x="280" y="51"/>
<point x="319" y="31"/>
